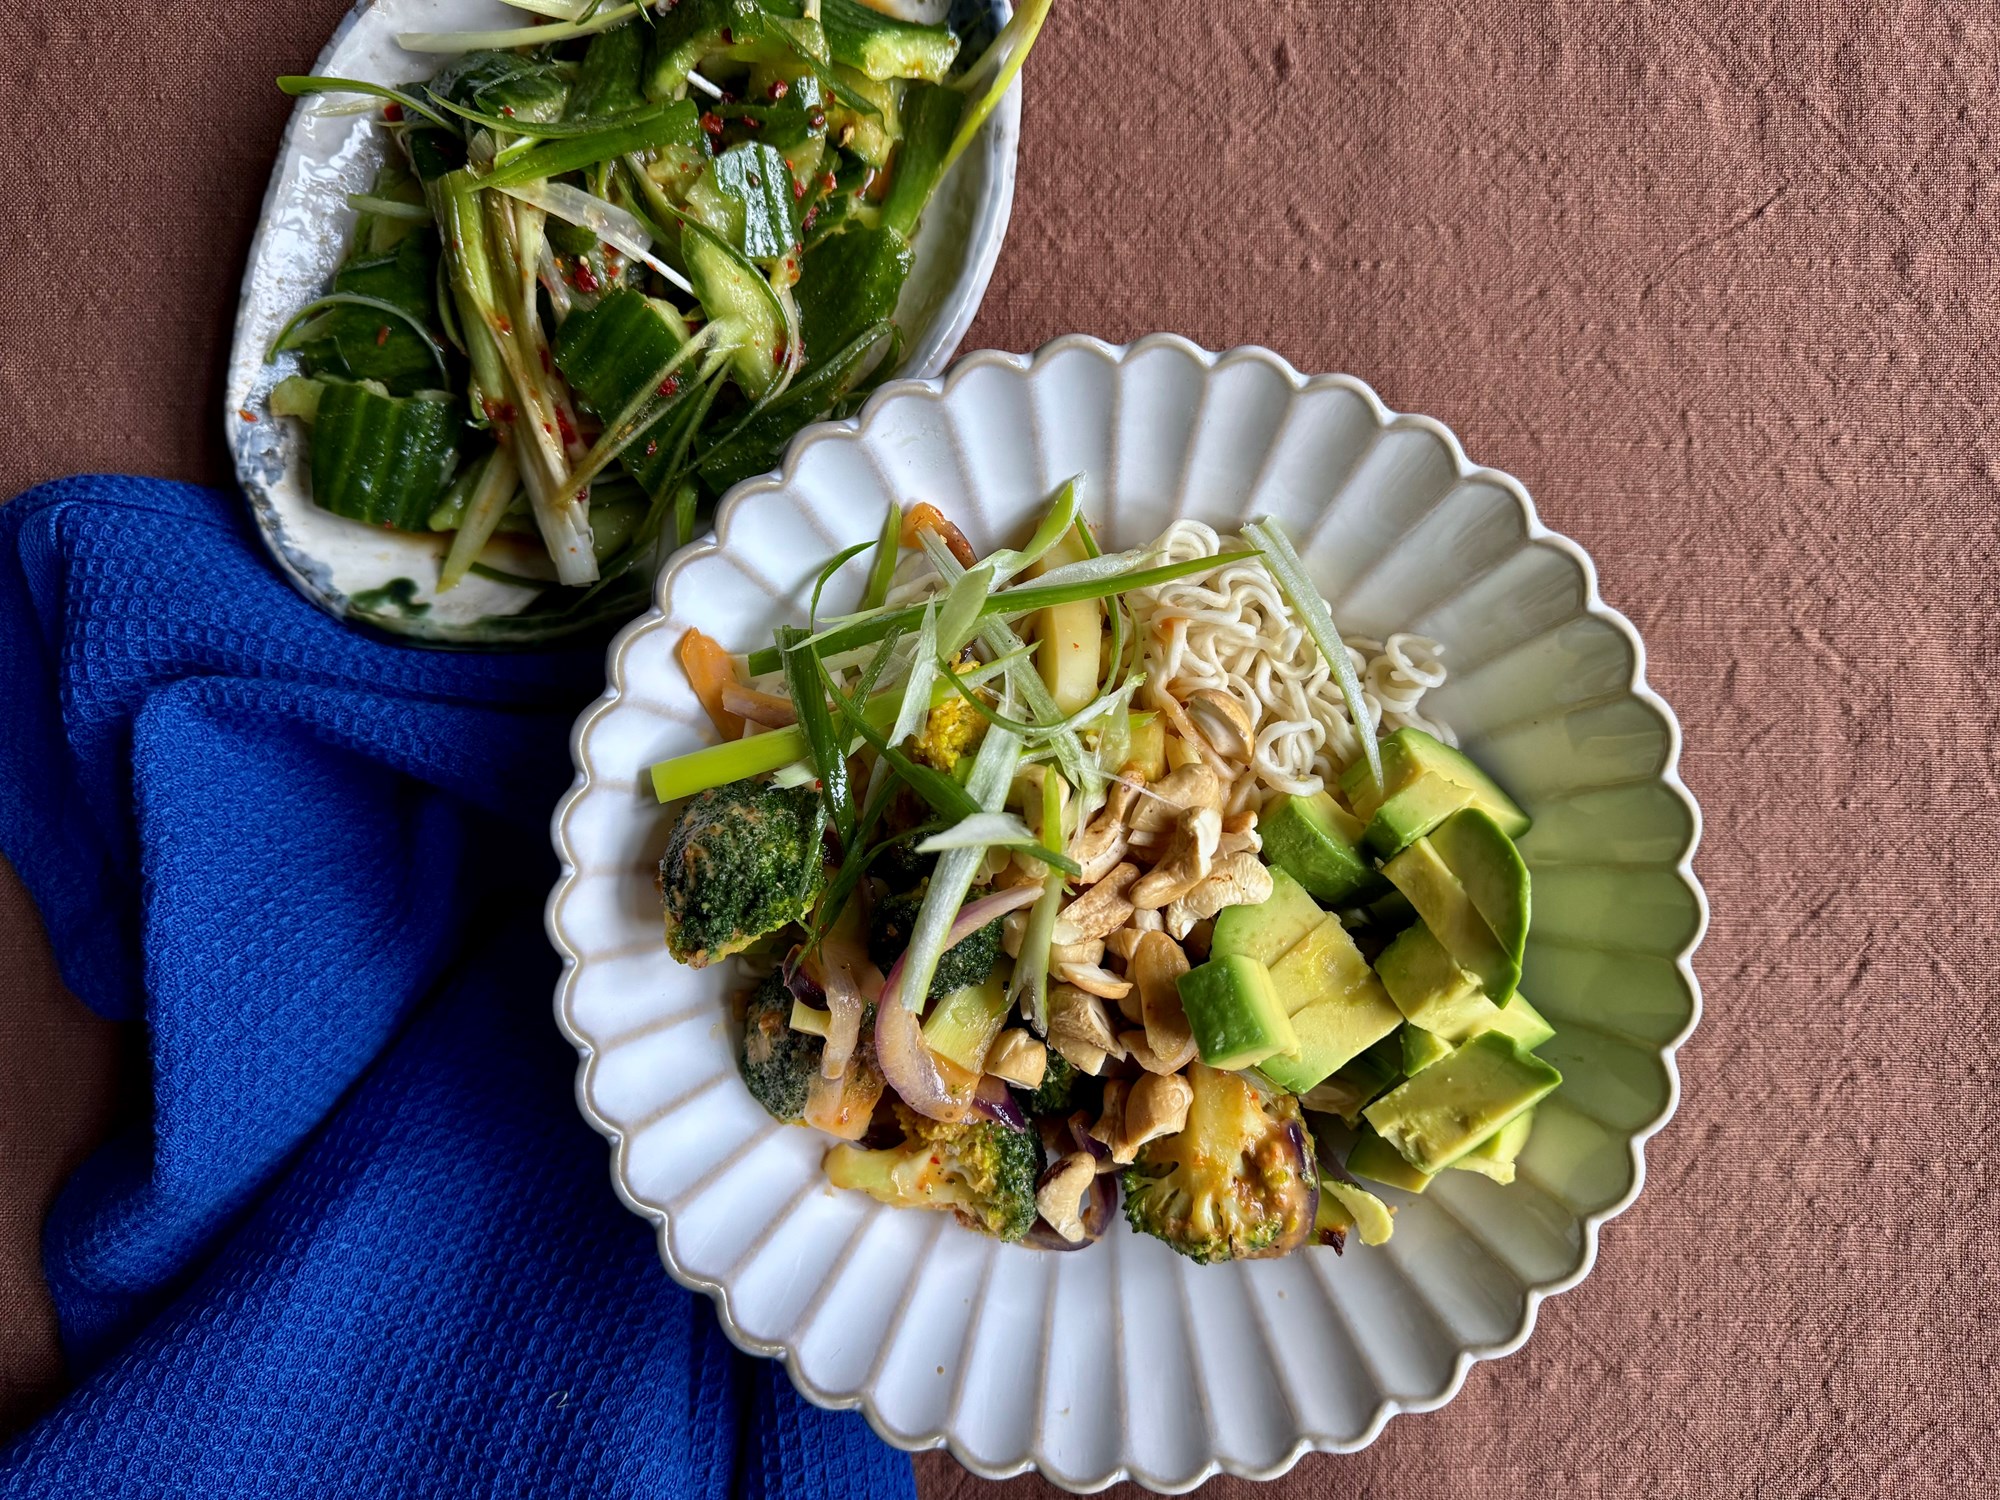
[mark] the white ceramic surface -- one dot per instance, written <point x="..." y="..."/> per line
<point x="1125" y="1360"/>
<point x="303" y="237"/>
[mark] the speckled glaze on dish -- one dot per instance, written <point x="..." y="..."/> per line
<point x="356" y="571"/>
<point x="1125" y="1361"/>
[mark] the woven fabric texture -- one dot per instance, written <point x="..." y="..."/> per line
<point x="361" y="1243"/>
<point x="1715" y="280"/>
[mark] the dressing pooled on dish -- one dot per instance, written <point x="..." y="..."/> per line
<point x="1062" y="876"/>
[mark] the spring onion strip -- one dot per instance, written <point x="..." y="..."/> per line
<point x="917" y="690"/>
<point x="490" y="497"/>
<point x="520" y="36"/>
<point x="607" y="221"/>
<point x="802" y="673"/>
<point x="1087" y="539"/>
<point x="555" y="10"/>
<point x="389" y="208"/>
<point x="863" y="630"/>
<point x="638" y="415"/>
<point x="854" y="862"/>
<point x="1059" y="517"/>
<point x="736" y="760"/>
<point x="1028" y="987"/>
<point x="704" y="85"/>
<point x="298" y="85"/>
<point x="980" y="831"/>
<point x="1038" y="734"/>
<point x="988" y="80"/>
<point x="826" y="573"/>
<point x="992" y="772"/>
<point x="356" y="299"/>
<point x="888" y="549"/>
<point x="944" y="794"/>
<point x="960" y="611"/>
<point x="1289" y="573"/>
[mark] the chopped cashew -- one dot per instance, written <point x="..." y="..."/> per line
<point x="1104" y="843"/>
<point x="1013" y="932"/>
<point x="1240" y="880"/>
<point x="1060" y="1197"/>
<point x="1093" y="980"/>
<point x="1138" y="1049"/>
<point x="1077" y="953"/>
<point x="1081" y="1055"/>
<point x="1155" y="1105"/>
<point x="1080" y="1015"/>
<point x="1099" y="911"/>
<point x="1018" y="1058"/>
<point x="1191" y="786"/>
<point x="1186" y="863"/>
<point x="1156" y="967"/>
<point x="1112" y="1121"/>
<point x="1148" y="921"/>
<point x="1122" y="942"/>
<point x="1224" y="722"/>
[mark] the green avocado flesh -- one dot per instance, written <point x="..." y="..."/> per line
<point x="1454" y="1104"/>
<point x="1317" y="842"/>
<point x="1410" y="754"/>
<point x="1446" y="908"/>
<point x="1268" y="930"/>
<point x="1414" y="812"/>
<point x="1337" y="1006"/>
<point x="1234" y="1012"/>
<point x="1495" y="1156"/>
<point x="1421" y="1048"/>
<point x="1477" y="850"/>
<point x="1377" y="1160"/>
<point x="1429" y="987"/>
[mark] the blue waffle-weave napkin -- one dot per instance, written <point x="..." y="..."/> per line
<point x="361" y="1243"/>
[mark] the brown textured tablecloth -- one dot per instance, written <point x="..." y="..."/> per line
<point x="1715" y="280"/>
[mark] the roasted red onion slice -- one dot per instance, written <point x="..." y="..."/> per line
<point x="971" y="917"/>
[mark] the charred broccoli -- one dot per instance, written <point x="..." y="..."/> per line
<point x="1239" y="1182"/>
<point x="778" y="1063"/>
<point x="743" y="861"/>
<point x="968" y="961"/>
<point x="984" y="1172"/>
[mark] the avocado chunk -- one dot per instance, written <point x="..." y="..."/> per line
<point x="1374" y="1158"/>
<point x="1519" y="1020"/>
<point x="1409" y="754"/>
<point x="1495" y="1156"/>
<point x="1318" y="842"/>
<point x="1429" y="987"/>
<point x="1421" y="874"/>
<point x="1414" y="812"/>
<point x="1368" y="1213"/>
<point x="1337" y="1006"/>
<point x="1233" y="1009"/>
<point x="1475" y="849"/>
<point x="1268" y="930"/>
<point x="1421" y="1048"/>
<point x="1453" y="1105"/>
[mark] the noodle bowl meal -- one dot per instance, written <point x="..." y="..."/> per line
<point x="1061" y="877"/>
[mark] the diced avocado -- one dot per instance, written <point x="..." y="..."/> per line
<point x="1268" y="930"/>
<point x="1421" y="1048"/>
<point x="1368" y="1213"/>
<point x="1409" y="754"/>
<point x="1495" y="1156"/>
<point x="1429" y="987"/>
<point x="1519" y="1020"/>
<point x="1447" y="910"/>
<point x="1475" y="849"/>
<point x="1318" y="842"/>
<point x="1233" y="1010"/>
<point x="1338" y="1007"/>
<point x="1414" y="812"/>
<point x="1453" y="1105"/>
<point x="1377" y="1160"/>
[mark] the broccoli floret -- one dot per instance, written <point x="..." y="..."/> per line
<point x="984" y="1172"/>
<point x="968" y="961"/>
<point x="778" y="1063"/>
<point x="1052" y="1095"/>
<point x="1239" y="1182"/>
<point x="743" y="861"/>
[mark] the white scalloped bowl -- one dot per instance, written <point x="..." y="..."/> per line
<point x="1124" y="1360"/>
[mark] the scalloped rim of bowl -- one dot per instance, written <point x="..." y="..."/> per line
<point x="1386" y="419"/>
<point x="1000" y="139"/>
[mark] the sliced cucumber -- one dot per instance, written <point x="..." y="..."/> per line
<point x="608" y="352"/>
<point x="883" y="47"/>
<point x="731" y="291"/>
<point x="380" y="458"/>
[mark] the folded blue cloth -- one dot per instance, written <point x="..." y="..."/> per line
<point x="364" y="1245"/>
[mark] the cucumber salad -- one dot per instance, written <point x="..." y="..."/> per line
<point x="613" y="260"/>
<point x="1062" y="876"/>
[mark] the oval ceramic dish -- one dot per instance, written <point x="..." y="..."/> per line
<point x="384" y="577"/>
<point x="1124" y="1360"/>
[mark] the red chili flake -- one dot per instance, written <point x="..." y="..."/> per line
<point x="817" y="119"/>
<point x="246" y="414"/>
<point x="392" y="111"/>
<point x="583" y="279"/>
<point x="750" y="124"/>
<point x="798" y="189"/>
<point x="812" y="216"/>
<point x="670" y="387"/>
<point x="381" y="335"/>
<point x="507" y="110"/>
<point x="727" y="39"/>
<point x="712" y="123"/>
<point x="652" y="447"/>
<point x="778" y="89"/>
<point x="827" y="182"/>
<point x="565" y="429"/>
<point x="504" y="323"/>
<point x="778" y="352"/>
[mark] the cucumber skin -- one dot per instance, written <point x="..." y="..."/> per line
<point x="883" y="47"/>
<point x="382" y="459"/>
<point x="930" y="120"/>
<point x="604" y="352"/>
